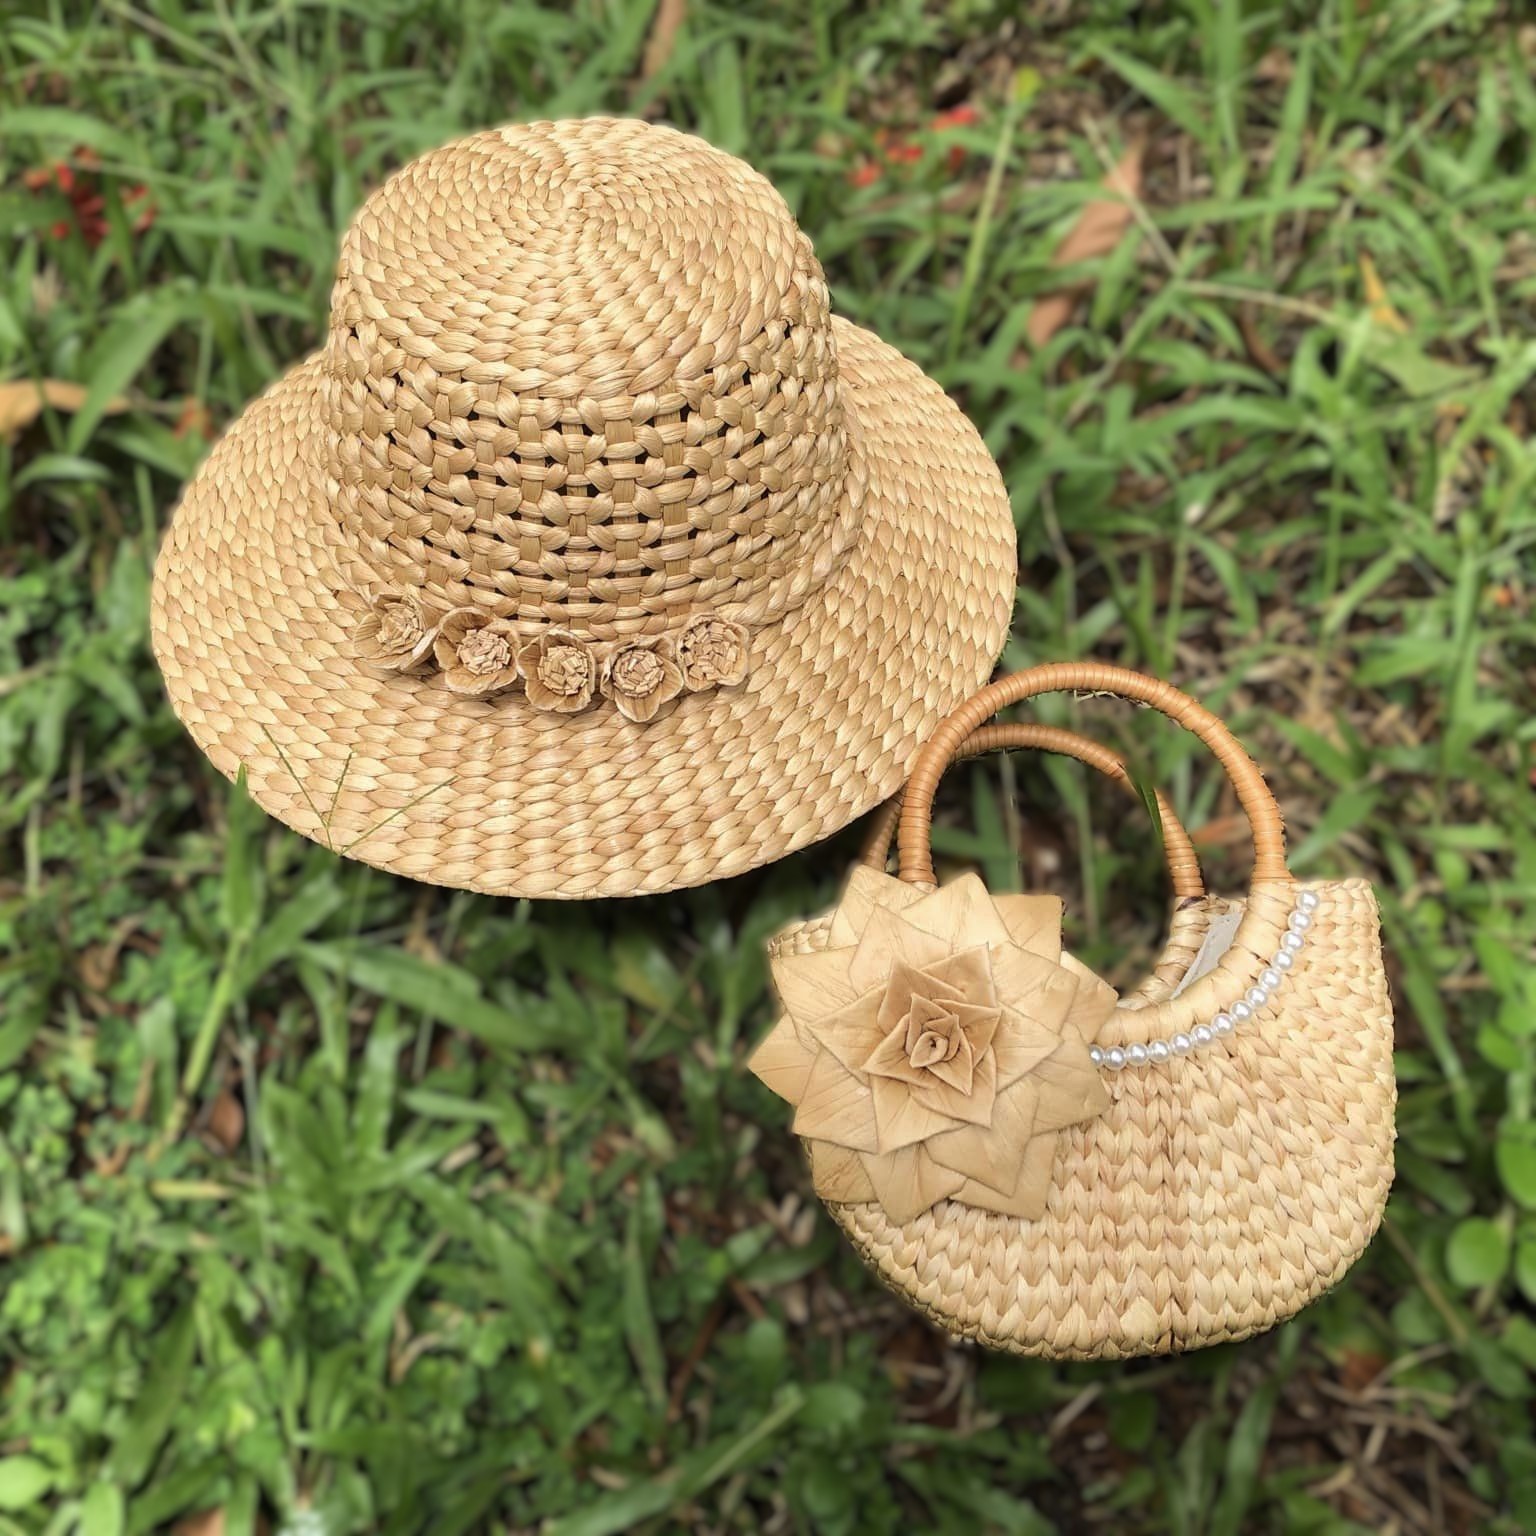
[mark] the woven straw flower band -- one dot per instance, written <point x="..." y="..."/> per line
<point x="560" y="670"/>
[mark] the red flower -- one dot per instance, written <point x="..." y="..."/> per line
<point x="87" y="202"/>
<point x="195" y="420"/>
<point x="963" y="116"/>
<point x="896" y="149"/>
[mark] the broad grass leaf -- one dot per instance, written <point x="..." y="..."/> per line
<point x="1339" y="767"/>
<point x="440" y="991"/>
<point x="1498" y="1368"/>
<point x="94" y="667"/>
<point x="69" y="129"/>
<point x="1344" y="814"/>
<point x="1478" y="1253"/>
<point x="102" y="1511"/>
<point x="623" y="1510"/>
<point x="156" y="1026"/>
<point x="181" y="1492"/>
<point x="122" y="352"/>
<point x="1146" y="792"/>
<point x="240" y="897"/>
<point x="466" y="1511"/>
<point x="1164" y="92"/>
<point x="319" y="1240"/>
<point x="159" y="1397"/>
<point x="23" y="1482"/>
<point x="527" y="1287"/>
<point x="62" y="469"/>
<point x="1444" y="1186"/>
<point x="389" y="1297"/>
<point x="643" y="973"/>
<point x="1420" y="985"/>
<point x="376" y="1087"/>
<point x="782" y="1264"/>
<point x="626" y="1508"/>
<point x="1525" y="1268"/>
<point x="639" y="1321"/>
<point x="282" y="933"/>
<point x="1413" y="370"/>
<point x="1245" y="1454"/>
<point x="1515" y="1156"/>
<point x="18" y="1031"/>
<point x="974" y="1500"/>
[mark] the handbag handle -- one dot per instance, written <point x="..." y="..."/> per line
<point x="916" y="820"/>
<point x="1183" y="865"/>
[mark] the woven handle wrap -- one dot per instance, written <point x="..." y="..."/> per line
<point x="1183" y="865"/>
<point x="915" y="825"/>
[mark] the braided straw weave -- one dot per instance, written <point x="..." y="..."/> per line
<point x="1221" y="1191"/>
<point x="582" y="388"/>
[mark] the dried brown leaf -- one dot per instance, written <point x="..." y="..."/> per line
<point x="665" y="25"/>
<point x="98" y="962"/>
<point x="1096" y="233"/>
<point x="195" y="420"/>
<point x="22" y="401"/>
<point x="209" y="1523"/>
<point x="226" y="1120"/>
<point x="1376" y="297"/>
<point x="1358" y="1370"/>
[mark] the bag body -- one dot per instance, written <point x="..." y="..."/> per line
<point x="1184" y="1165"/>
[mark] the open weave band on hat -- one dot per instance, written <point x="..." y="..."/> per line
<point x="592" y="554"/>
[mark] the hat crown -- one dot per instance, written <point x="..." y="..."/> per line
<point x="583" y="374"/>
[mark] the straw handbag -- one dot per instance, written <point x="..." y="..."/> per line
<point x="1049" y="1168"/>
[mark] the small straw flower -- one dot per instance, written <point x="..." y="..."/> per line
<point x="640" y="676"/>
<point x="393" y="634"/>
<point x="712" y="652"/>
<point x="559" y="671"/>
<point x="477" y="652"/>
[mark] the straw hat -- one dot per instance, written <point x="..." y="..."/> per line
<point x="592" y="555"/>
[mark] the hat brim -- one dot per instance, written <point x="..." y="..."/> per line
<point x="493" y="795"/>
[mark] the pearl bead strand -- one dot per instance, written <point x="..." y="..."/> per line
<point x="1156" y="1052"/>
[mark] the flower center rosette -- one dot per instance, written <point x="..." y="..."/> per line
<point x="935" y="1047"/>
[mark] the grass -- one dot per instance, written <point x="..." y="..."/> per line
<point x="331" y="1203"/>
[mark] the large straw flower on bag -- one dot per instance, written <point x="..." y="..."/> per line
<point x="936" y="1046"/>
